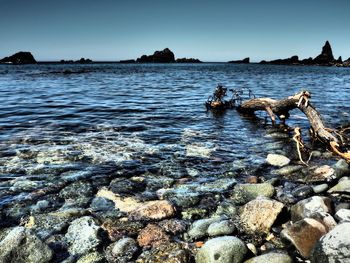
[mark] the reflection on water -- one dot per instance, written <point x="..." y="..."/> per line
<point x="147" y="118"/>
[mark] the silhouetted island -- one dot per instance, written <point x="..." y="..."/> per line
<point x="80" y="61"/>
<point x="19" y="58"/>
<point x="243" y="61"/>
<point x="164" y="56"/>
<point x="188" y="60"/>
<point x="326" y="58"/>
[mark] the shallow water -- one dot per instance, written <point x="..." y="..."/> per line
<point x="103" y="118"/>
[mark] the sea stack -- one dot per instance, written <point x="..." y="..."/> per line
<point x="326" y="57"/>
<point x="164" y="56"/>
<point x="19" y="58"/>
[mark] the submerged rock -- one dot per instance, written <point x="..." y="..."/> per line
<point x="277" y="160"/>
<point x="307" y="207"/>
<point x="259" y="215"/>
<point x="271" y="257"/>
<point x="304" y="234"/>
<point x="334" y="246"/>
<point x="83" y="235"/>
<point x="244" y="193"/>
<point x="227" y="249"/>
<point x="20" y="245"/>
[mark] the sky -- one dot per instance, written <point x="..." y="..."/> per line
<point x="221" y="30"/>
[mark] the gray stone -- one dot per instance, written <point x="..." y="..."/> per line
<point x="93" y="257"/>
<point x="20" y="245"/>
<point x="226" y="208"/>
<point x="221" y="228"/>
<point x="288" y="170"/>
<point x="101" y="204"/>
<point x="76" y="190"/>
<point x="227" y="249"/>
<point x="306" y="207"/>
<point x="320" y="188"/>
<point x="83" y="235"/>
<point x="122" y="251"/>
<point x="342" y="187"/>
<point x="333" y="247"/>
<point x="271" y="257"/>
<point x="341" y="168"/>
<point x="243" y="193"/>
<point x="277" y="160"/>
<point x="199" y="228"/>
<point x="302" y="191"/>
<point x="343" y="215"/>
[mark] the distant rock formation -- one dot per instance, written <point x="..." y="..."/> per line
<point x="326" y="56"/>
<point x="164" y="56"/>
<point x="20" y="58"/>
<point x="294" y="60"/>
<point x="127" y="61"/>
<point x="243" y="61"/>
<point x="80" y="61"/>
<point x="188" y="60"/>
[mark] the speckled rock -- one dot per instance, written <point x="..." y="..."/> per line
<point x="119" y="228"/>
<point x="226" y="249"/>
<point x="221" y="228"/>
<point x="154" y="210"/>
<point x="94" y="257"/>
<point x="259" y="214"/>
<point x="343" y="215"/>
<point x="271" y="257"/>
<point x="101" y="204"/>
<point x="307" y="207"/>
<point x="122" y="251"/>
<point x="304" y="234"/>
<point x="343" y="186"/>
<point x="173" y="226"/>
<point x="333" y="247"/>
<point x="244" y="193"/>
<point x="277" y="160"/>
<point x="20" y="245"/>
<point x="227" y="208"/>
<point x="167" y="253"/>
<point x="199" y="228"/>
<point x="152" y="235"/>
<point x="83" y="235"/>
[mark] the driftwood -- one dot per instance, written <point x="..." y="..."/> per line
<point x="280" y="108"/>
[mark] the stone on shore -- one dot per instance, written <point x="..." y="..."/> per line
<point x="343" y="187"/>
<point x="277" y="160"/>
<point x="343" y="215"/>
<point x="222" y="228"/>
<point x="152" y="236"/>
<point x="199" y="228"/>
<point x="334" y="246"/>
<point x="271" y="257"/>
<point x="226" y="249"/>
<point x="94" y="257"/>
<point x="154" y="210"/>
<point x="304" y="234"/>
<point x="20" y="245"/>
<point x="259" y="215"/>
<point x="307" y="207"/>
<point x="83" y="235"/>
<point x="243" y="193"/>
<point x="122" y="251"/>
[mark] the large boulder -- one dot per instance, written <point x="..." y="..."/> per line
<point x="20" y="245"/>
<point x="334" y="246"/>
<point x="19" y="58"/>
<point x="307" y="207"/>
<point x="326" y="57"/>
<point x="164" y="56"/>
<point x="227" y="249"/>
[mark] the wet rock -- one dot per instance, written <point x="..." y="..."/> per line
<point x="76" y="190"/>
<point x="304" y="234"/>
<point x="303" y="191"/>
<point x="155" y="183"/>
<point x="23" y="184"/>
<point x="19" y="58"/>
<point x="199" y="228"/>
<point x="221" y="228"/>
<point x="101" y="204"/>
<point x="218" y="186"/>
<point x="154" y="210"/>
<point x="194" y="213"/>
<point x="122" y="251"/>
<point x="288" y="170"/>
<point x="152" y="235"/>
<point x="307" y="207"/>
<point x="343" y="215"/>
<point x="227" y="208"/>
<point x="93" y="257"/>
<point x="117" y="229"/>
<point x="126" y="204"/>
<point x="259" y="215"/>
<point x="343" y="187"/>
<point x="271" y="257"/>
<point x="320" y="174"/>
<point x="334" y="246"/>
<point x="277" y="160"/>
<point x="124" y="186"/>
<point x="227" y="249"/>
<point x="168" y="253"/>
<point x="243" y="193"/>
<point x="40" y="206"/>
<point x="20" y="245"/>
<point x="181" y="197"/>
<point x="173" y="226"/>
<point x="320" y="188"/>
<point x="83" y="235"/>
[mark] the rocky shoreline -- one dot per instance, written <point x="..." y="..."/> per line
<point x="280" y="212"/>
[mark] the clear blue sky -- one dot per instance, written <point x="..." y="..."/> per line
<point x="210" y="30"/>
